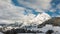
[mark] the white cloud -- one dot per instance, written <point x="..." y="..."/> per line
<point x="9" y="11"/>
<point x="53" y="10"/>
<point x="40" y="4"/>
<point x="6" y="21"/>
<point x="58" y="16"/>
<point x="58" y="6"/>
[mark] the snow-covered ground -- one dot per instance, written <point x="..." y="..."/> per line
<point x="32" y="33"/>
<point x="25" y="33"/>
<point x="46" y="28"/>
<point x="37" y="33"/>
<point x="1" y="33"/>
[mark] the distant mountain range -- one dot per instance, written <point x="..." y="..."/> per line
<point x="55" y="21"/>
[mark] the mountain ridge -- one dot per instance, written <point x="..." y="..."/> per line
<point x="55" y="21"/>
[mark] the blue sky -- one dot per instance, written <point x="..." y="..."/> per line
<point x="53" y="3"/>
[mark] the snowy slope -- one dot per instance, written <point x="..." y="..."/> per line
<point x="39" y="19"/>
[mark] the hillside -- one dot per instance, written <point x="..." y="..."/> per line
<point x="53" y="21"/>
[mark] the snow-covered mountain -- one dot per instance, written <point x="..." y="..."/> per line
<point x="39" y="19"/>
